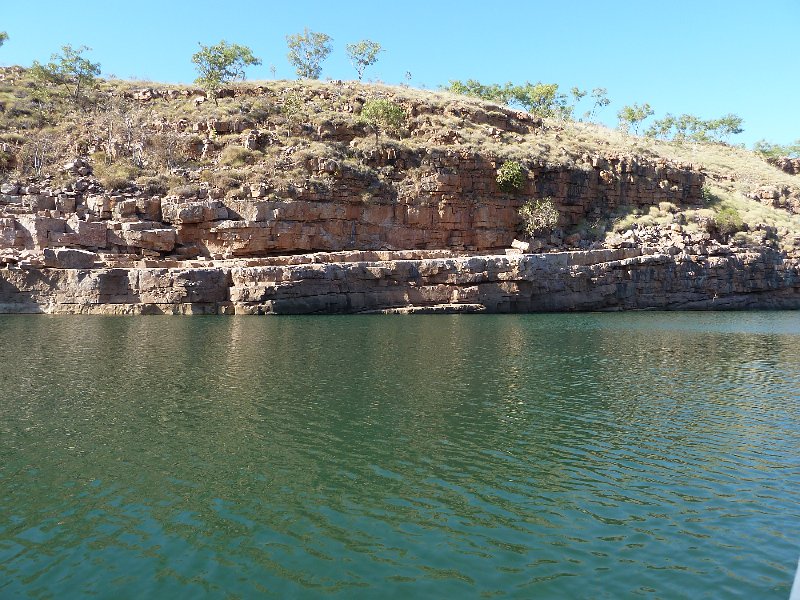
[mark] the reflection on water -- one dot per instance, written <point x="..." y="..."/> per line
<point x="532" y="455"/>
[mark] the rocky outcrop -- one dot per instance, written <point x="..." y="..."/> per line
<point x="451" y="202"/>
<point x="621" y="279"/>
<point x="786" y="164"/>
<point x="160" y="203"/>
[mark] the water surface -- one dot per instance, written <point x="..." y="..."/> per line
<point x="553" y="456"/>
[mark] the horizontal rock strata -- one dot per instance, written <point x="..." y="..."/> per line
<point x="412" y="281"/>
<point x="434" y="199"/>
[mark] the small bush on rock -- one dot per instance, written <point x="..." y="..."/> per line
<point x="382" y="116"/>
<point x="510" y="177"/>
<point x="190" y="190"/>
<point x="116" y="175"/>
<point x="237" y="156"/>
<point x="728" y="221"/>
<point x="538" y="216"/>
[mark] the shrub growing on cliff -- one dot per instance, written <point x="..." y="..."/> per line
<point x="221" y="64"/>
<point x="382" y="115"/>
<point x="728" y="221"/>
<point x="116" y="175"/>
<point x="510" y="176"/>
<point x="237" y="156"/>
<point x="307" y="50"/>
<point x="294" y="109"/>
<point x="538" y="216"/>
<point x="189" y="190"/>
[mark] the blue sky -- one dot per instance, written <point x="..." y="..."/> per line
<point x="705" y="57"/>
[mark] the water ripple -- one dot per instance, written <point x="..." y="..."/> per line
<point x="557" y="456"/>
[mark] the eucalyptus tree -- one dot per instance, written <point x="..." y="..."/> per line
<point x="307" y="50"/>
<point x="220" y="64"/>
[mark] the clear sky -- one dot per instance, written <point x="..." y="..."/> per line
<point x="705" y="57"/>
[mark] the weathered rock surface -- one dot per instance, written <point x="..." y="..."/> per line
<point x="357" y="282"/>
<point x="68" y="258"/>
<point x="451" y="201"/>
<point x="787" y="164"/>
<point x="412" y="225"/>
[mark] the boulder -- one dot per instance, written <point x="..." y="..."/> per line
<point x="68" y="258"/>
<point x="65" y="203"/>
<point x="193" y="212"/>
<point x="99" y="205"/>
<point x="158" y="240"/>
<point x="521" y="246"/>
<point x="39" y="202"/>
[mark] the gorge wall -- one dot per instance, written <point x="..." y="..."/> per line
<point x="434" y="200"/>
<point x="268" y="213"/>
<point x="413" y="281"/>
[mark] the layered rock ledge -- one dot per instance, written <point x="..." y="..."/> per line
<point x="411" y="281"/>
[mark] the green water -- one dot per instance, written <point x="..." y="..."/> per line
<point x="521" y="456"/>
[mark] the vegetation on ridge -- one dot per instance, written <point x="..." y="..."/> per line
<point x="278" y="135"/>
<point x="220" y="64"/>
<point x="307" y="50"/>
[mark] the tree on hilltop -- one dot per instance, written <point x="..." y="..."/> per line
<point x="3" y="37"/>
<point x="307" y="50"/>
<point x="540" y="99"/>
<point x="70" y="69"/>
<point x="221" y="64"/>
<point x="363" y="54"/>
<point x="770" y="150"/>
<point x="631" y="116"/>
<point x="691" y="128"/>
<point x="599" y="100"/>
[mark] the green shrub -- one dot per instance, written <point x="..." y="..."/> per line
<point x="538" y="216"/>
<point x="540" y="99"/>
<point x="189" y="190"/>
<point x="224" y="180"/>
<point x="510" y="177"/>
<point x="382" y="116"/>
<point x="237" y="156"/>
<point x="728" y="221"/>
<point x="157" y="185"/>
<point x="116" y="175"/>
<point x="7" y="160"/>
<point x="221" y="64"/>
<point x="768" y="150"/>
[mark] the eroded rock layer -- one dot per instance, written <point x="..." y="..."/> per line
<point x="413" y="281"/>
<point x="451" y="202"/>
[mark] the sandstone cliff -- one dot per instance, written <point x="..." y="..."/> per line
<point x="157" y="202"/>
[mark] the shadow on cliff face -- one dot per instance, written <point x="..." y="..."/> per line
<point x="15" y="295"/>
<point x="33" y="290"/>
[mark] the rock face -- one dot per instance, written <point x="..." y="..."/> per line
<point x="434" y="199"/>
<point x="787" y="165"/>
<point x="68" y="258"/>
<point x="411" y="281"/>
<point x="168" y="210"/>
